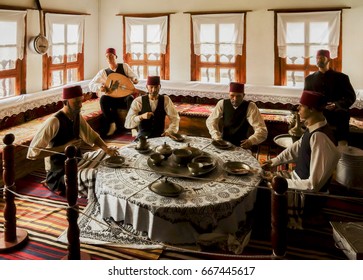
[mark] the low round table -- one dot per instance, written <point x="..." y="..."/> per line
<point x="214" y="202"/>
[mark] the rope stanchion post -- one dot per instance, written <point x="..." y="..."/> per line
<point x="279" y="217"/>
<point x="12" y="236"/>
<point x="71" y="169"/>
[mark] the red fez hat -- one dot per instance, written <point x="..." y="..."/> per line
<point x="313" y="99"/>
<point x="325" y="53"/>
<point x="111" y="50"/>
<point x="153" y="81"/>
<point x="72" y="92"/>
<point x="236" y="87"/>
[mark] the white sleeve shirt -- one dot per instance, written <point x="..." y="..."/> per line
<point x="254" y="118"/>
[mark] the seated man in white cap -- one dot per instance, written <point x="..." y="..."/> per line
<point x="66" y="127"/>
<point x="148" y="112"/>
<point x="239" y="117"/>
<point x="109" y="104"/>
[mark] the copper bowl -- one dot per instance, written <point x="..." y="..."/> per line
<point x="206" y="161"/>
<point x="157" y="158"/>
<point x="182" y="156"/>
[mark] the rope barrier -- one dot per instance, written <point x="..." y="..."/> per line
<point x="168" y="174"/>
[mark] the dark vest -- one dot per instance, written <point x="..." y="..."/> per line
<point x="235" y="125"/>
<point x="119" y="70"/>
<point x="154" y="126"/>
<point x="304" y="156"/>
<point x="65" y="134"/>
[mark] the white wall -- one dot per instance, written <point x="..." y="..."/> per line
<point x="91" y="48"/>
<point x="260" y="27"/>
<point x="104" y="29"/>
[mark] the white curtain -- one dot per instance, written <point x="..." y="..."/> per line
<point x="329" y="36"/>
<point x="51" y="19"/>
<point x="19" y="18"/>
<point x="159" y="36"/>
<point x="235" y="39"/>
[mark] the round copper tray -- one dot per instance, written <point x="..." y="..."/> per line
<point x="284" y="140"/>
<point x="170" y="167"/>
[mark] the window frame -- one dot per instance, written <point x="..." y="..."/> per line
<point x="49" y="67"/>
<point x="281" y="67"/>
<point x="19" y="72"/>
<point x="239" y="65"/>
<point x="164" y="61"/>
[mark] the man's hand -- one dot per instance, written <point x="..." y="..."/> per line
<point x="267" y="165"/>
<point x="112" y="151"/>
<point x="246" y="144"/>
<point x="146" y="116"/>
<point x="103" y="88"/>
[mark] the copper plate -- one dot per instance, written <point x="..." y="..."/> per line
<point x="114" y="161"/>
<point x="221" y="144"/>
<point x="236" y="168"/>
<point x="177" y="137"/>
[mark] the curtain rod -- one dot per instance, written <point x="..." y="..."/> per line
<point x="16" y="8"/>
<point x="217" y="12"/>
<point x="65" y="12"/>
<point x="308" y="9"/>
<point x="145" y="15"/>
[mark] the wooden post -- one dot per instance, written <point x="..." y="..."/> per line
<point x="279" y="216"/>
<point x="71" y="170"/>
<point x="12" y="236"/>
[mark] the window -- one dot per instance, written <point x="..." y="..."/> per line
<point x="64" y="62"/>
<point x="12" y="62"/>
<point x="217" y="48"/>
<point x="299" y="36"/>
<point x="146" y="47"/>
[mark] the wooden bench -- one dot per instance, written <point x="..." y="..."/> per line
<point x="193" y="118"/>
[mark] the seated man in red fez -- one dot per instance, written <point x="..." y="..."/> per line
<point x="66" y="127"/>
<point x="238" y="117"/>
<point x="148" y="112"/>
<point x="315" y="155"/>
<point x="338" y="91"/>
<point x="109" y="105"/>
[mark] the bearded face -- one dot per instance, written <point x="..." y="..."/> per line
<point x="322" y="61"/>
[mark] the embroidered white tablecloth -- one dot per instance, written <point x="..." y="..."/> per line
<point x="216" y="202"/>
